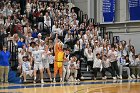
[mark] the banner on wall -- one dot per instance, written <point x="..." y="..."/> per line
<point x="108" y="10"/>
<point x="134" y="9"/>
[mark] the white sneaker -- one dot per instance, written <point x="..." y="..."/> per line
<point x="78" y="80"/>
<point x="72" y="79"/>
<point x="87" y="69"/>
<point x="133" y="76"/>
<point x="114" y="78"/>
<point x="61" y="80"/>
<point x="50" y="79"/>
<point x="69" y="80"/>
<point x="75" y="80"/>
<point x="54" y="81"/>
<point x="129" y="78"/>
<point x="120" y="77"/>
<point x="24" y="81"/>
<point x="104" y="77"/>
<point x="138" y="76"/>
<point x="34" y="82"/>
<point x="21" y="76"/>
<point x="82" y="77"/>
<point x="42" y="81"/>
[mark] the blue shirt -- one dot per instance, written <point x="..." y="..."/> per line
<point x="34" y="34"/>
<point x="20" y="44"/>
<point x="4" y="58"/>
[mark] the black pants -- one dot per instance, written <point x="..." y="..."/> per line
<point x="78" y="74"/>
<point x="95" y="70"/>
<point x="115" y="68"/>
<point x="109" y="69"/>
<point x="90" y="64"/>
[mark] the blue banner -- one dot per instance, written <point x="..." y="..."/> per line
<point x="134" y="9"/>
<point x="108" y="10"/>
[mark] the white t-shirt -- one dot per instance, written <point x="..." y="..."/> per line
<point x="31" y="49"/>
<point x="112" y="55"/>
<point x="130" y="56"/>
<point x="20" y="58"/>
<point x="26" y="66"/>
<point x="85" y="52"/>
<point x="71" y="64"/>
<point x="98" y="49"/>
<point x="37" y="55"/>
<point x="106" y="63"/>
<point x="138" y="61"/>
<point x="90" y="57"/>
<point x="97" y="63"/>
<point x="81" y="42"/>
<point x="76" y="48"/>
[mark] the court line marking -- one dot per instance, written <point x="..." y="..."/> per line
<point x="67" y="84"/>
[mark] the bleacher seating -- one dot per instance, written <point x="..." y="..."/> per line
<point x="88" y="75"/>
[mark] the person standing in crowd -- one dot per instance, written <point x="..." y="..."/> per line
<point x="78" y="70"/>
<point x="4" y="64"/>
<point x="90" y="59"/>
<point x="112" y="54"/>
<point x="65" y="64"/>
<point x="97" y="66"/>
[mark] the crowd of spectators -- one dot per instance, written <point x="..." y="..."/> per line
<point x="40" y="24"/>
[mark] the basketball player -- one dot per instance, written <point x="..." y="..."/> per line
<point x="59" y="59"/>
<point x="46" y="60"/>
<point x="38" y="65"/>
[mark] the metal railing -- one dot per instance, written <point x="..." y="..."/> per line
<point x="13" y="49"/>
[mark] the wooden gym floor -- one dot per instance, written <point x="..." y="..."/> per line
<point x="98" y="86"/>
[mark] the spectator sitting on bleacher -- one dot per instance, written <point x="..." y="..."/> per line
<point x="47" y="21"/>
<point x="138" y="66"/>
<point x="39" y="39"/>
<point x="26" y="68"/>
<point x="72" y="69"/>
<point x="124" y="66"/>
<point x="1" y="19"/>
<point x="133" y="66"/>
<point x="106" y="67"/>
<point x="27" y="29"/>
<point x="59" y="19"/>
<point x="20" y="43"/>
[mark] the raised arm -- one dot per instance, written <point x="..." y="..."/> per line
<point x="56" y="44"/>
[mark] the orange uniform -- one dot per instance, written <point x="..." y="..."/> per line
<point x="59" y="58"/>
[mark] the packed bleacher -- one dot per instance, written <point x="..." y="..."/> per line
<point x="35" y="28"/>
